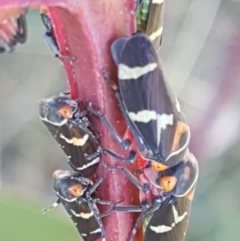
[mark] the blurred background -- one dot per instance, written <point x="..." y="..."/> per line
<point x="201" y="59"/>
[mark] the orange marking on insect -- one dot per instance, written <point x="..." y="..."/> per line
<point x="168" y="183"/>
<point x="66" y="112"/>
<point x="43" y="10"/>
<point x="158" y="166"/>
<point x="76" y="190"/>
<point x="181" y="128"/>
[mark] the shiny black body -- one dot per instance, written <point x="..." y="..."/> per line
<point x="151" y="111"/>
<point x="170" y="221"/>
<point x="78" y="206"/>
<point x="77" y="194"/>
<point x="72" y="130"/>
<point x="165" y="213"/>
<point x="72" y="134"/>
<point x="162" y="133"/>
<point x="173" y="213"/>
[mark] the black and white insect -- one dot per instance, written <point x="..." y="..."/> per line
<point x="13" y="29"/>
<point x="170" y="221"/>
<point x="154" y="116"/>
<point x="149" y="20"/>
<point x="77" y="194"/>
<point x="166" y="211"/>
<point x="50" y="37"/>
<point x="72" y="130"/>
<point x="151" y="111"/>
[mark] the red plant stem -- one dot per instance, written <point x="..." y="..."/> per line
<point x="86" y="30"/>
<point x="87" y="35"/>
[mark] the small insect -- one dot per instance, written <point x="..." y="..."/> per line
<point x="72" y="130"/>
<point x="77" y="194"/>
<point x="13" y="28"/>
<point x="166" y="210"/>
<point x="151" y="111"/>
<point x="149" y="20"/>
<point x="50" y="37"/>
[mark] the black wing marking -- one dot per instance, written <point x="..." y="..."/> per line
<point x="77" y="144"/>
<point x="84" y="220"/>
<point x="170" y="221"/>
<point x="147" y="95"/>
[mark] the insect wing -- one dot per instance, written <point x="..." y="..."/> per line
<point x="77" y="143"/>
<point x="170" y="221"/>
<point x="116" y="49"/>
<point x="148" y="102"/>
<point x="84" y="220"/>
<point x="71" y="189"/>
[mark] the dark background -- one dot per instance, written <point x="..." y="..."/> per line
<point x="201" y="59"/>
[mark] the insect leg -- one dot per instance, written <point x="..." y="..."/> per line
<point x="50" y="40"/>
<point x="141" y="144"/>
<point x="144" y="215"/>
<point x="108" y="212"/>
<point x="54" y="205"/>
<point x="96" y="184"/>
<point x="129" y="160"/>
<point x="123" y="143"/>
<point x="97" y="216"/>
<point x="143" y="187"/>
<point x="107" y="202"/>
<point x="54" y="48"/>
<point x="92" y="156"/>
